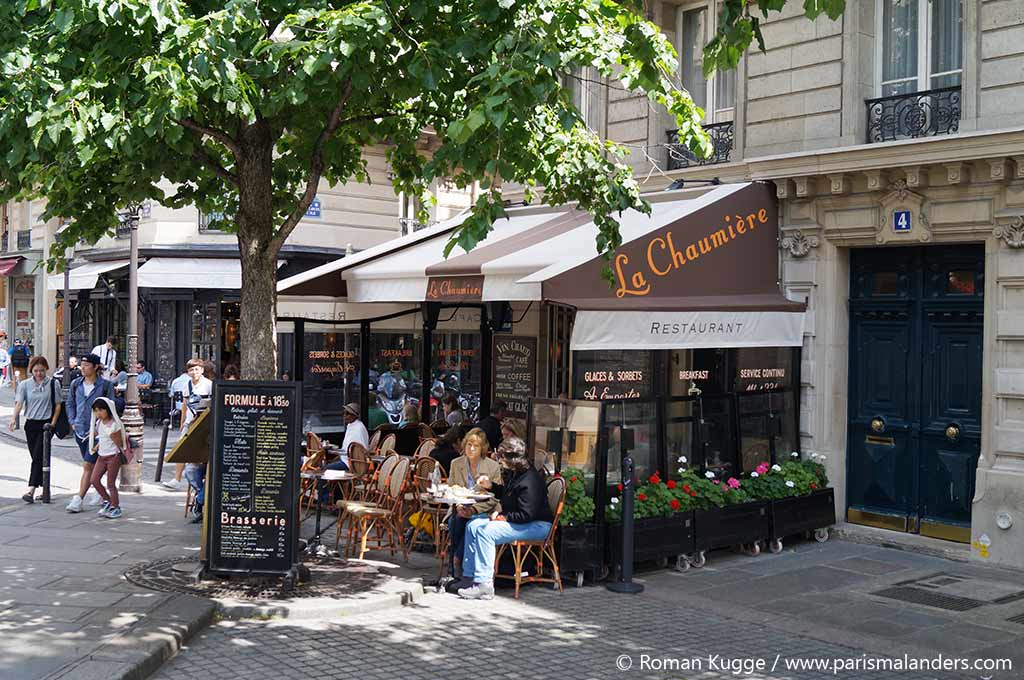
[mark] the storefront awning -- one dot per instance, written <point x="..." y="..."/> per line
<point x="8" y="264"/>
<point x="85" y="276"/>
<point x="418" y="273"/>
<point x="645" y="330"/>
<point x="191" y="272"/>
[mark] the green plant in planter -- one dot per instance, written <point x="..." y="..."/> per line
<point x="815" y="463"/>
<point x="707" y="491"/>
<point x="579" y="507"/>
<point x="655" y="498"/>
<point x="784" y="480"/>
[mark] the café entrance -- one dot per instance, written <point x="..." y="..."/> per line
<point x="914" y="423"/>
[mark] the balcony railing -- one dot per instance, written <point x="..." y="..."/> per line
<point x="25" y="239"/>
<point x="409" y="224"/>
<point x="918" y="114"/>
<point x="721" y="135"/>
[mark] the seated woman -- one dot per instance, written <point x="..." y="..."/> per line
<point x="471" y="469"/>
<point x="523" y="515"/>
<point x="448" y="448"/>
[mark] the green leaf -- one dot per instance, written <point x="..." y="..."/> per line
<point x="63" y="18"/>
<point x="475" y="120"/>
<point x="108" y="120"/>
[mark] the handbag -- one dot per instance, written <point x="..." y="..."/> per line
<point x="63" y="427"/>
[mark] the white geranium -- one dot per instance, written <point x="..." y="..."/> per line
<point x="794" y="454"/>
<point x="754" y="474"/>
<point x="681" y="459"/>
<point x="615" y="501"/>
<point x="681" y="470"/>
<point x="790" y="484"/>
<point x="709" y="474"/>
<point x="777" y="468"/>
<point x="822" y="458"/>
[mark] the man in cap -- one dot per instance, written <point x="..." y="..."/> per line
<point x="355" y="432"/>
<point x="81" y="395"/>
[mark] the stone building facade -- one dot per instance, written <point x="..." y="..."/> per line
<point x="894" y="139"/>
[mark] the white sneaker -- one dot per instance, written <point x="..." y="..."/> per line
<point x="478" y="591"/>
<point x="93" y="499"/>
<point x="75" y="505"/>
<point x="172" y="484"/>
<point x="103" y="510"/>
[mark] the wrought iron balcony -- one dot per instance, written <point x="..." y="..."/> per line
<point x="410" y="224"/>
<point x="918" y="114"/>
<point x="721" y="135"/>
<point x="25" y="239"/>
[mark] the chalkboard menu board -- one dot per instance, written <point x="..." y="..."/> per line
<point x="514" y="377"/>
<point x="253" y="511"/>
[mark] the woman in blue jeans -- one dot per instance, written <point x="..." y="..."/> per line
<point x="522" y="514"/>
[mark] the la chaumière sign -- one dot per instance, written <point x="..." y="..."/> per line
<point x="726" y="248"/>
<point x="469" y="288"/>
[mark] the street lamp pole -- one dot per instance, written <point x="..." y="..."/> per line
<point x="131" y="474"/>
<point x="69" y="254"/>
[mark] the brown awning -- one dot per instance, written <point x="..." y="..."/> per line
<point x="8" y="264"/>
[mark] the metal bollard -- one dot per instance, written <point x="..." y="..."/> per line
<point x="47" y="438"/>
<point x="163" y="448"/>
<point x="625" y="584"/>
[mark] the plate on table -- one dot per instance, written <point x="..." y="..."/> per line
<point x="481" y="496"/>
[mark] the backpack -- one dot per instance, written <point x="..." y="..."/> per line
<point x="20" y="356"/>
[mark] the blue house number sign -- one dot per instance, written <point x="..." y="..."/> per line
<point x="901" y="220"/>
<point x="314" y="208"/>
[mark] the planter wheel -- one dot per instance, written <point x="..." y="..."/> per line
<point x="662" y="562"/>
<point x="699" y="560"/>
<point x="682" y="563"/>
<point x="755" y="549"/>
<point x="579" y="579"/>
<point x="603" y="574"/>
<point x="775" y="546"/>
<point x="821" y="535"/>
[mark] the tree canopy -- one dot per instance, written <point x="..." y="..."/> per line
<point x="241" y="107"/>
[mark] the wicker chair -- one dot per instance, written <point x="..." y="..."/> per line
<point x="541" y="550"/>
<point x="360" y="466"/>
<point x="425" y="432"/>
<point x="373" y="495"/>
<point x="375" y="441"/>
<point x="424" y="449"/>
<point x="309" y="483"/>
<point x="422" y="469"/>
<point x="388" y="445"/>
<point x="386" y="518"/>
<point x="439" y="424"/>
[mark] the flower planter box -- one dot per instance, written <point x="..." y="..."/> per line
<point x="580" y="548"/>
<point x="731" y="525"/>
<point x="654" y="538"/>
<point x="796" y="515"/>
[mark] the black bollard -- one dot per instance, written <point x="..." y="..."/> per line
<point x="163" y="449"/>
<point x="625" y="583"/>
<point x="47" y="438"/>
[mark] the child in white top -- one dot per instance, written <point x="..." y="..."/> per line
<point x="107" y="438"/>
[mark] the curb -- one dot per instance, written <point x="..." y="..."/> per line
<point x="922" y="545"/>
<point x="144" y="648"/>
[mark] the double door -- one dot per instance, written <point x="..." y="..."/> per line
<point x="914" y="426"/>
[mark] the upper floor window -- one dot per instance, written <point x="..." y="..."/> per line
<point x="716" y="95"/>
<point x="921" y="45"/>
<point x="579" y="84"/>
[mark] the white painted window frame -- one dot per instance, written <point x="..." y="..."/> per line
<point x="924" y="43"/>
<point x="712" y="114"/>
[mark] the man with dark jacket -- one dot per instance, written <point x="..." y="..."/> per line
<point x="491" y="425"/>
<point x="522" y="514"/>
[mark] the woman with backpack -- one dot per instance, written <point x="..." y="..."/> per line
<point x="107" y="441"/>
<point x="41" y="400"/>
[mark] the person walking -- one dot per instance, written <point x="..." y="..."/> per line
<point x="5" y="364"/>
<point x="41" y="400"/>
<point x="108" y="356"/>
<point x="107" y="441"/>
<point x="20" y="354"/>
<point x="84" y="391"/>
<point x="198" y="388"/>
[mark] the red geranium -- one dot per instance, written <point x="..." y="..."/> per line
<point x="674" y="503"/>
<point x="671" y="483"/>
<point x="686" y="488"/>
<point x="813" y="485"/>
<point x="654" y="479"/>
<point x="573" y="479"/>
<point x="693" y="493"/>
<point x="620" y="488"/>
<point x="642" y="496"/>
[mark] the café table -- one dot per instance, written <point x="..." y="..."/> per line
<point x="335" y="476"/>
<point x="437" y="502"/>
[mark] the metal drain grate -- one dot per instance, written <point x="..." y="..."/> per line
<point x="1007" y="599"/>
<point x="1019" y="618"/>
<point x="930" y="599"/>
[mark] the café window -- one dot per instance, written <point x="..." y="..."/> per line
<point x="456" y="371"/>
<point x="613" y="374"/>
<point x="394" y="371"/>
<point x="330" y="380"/>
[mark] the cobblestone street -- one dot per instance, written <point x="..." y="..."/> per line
<point x="581" y="634"/>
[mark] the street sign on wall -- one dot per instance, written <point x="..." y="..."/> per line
<point x="901" y="220"/>
<point x="314" y="208"/>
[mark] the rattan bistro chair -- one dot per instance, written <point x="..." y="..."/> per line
<point x="541" y="550"/>
<point x="424" y="449"/>
<point x="385" y="518"/>
<point x="374" y="496"/>
<point x="388" y="445"/>
<point x="309" y="482"/>
<point x="422" y="469"/>
<point x="375" y="441"/>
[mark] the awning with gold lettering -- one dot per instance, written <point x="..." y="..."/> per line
<point x="668" y="329"/>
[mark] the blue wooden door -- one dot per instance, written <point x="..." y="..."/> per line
<point x="914" y="428"/>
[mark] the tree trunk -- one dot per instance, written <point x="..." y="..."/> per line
<point x="255" y="221"/>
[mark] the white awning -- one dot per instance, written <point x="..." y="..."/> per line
<point x="84" y="277"/>
<point x="402" y="276"/>
<point x="596" y="330"/>
<point x="191" y="272"/>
